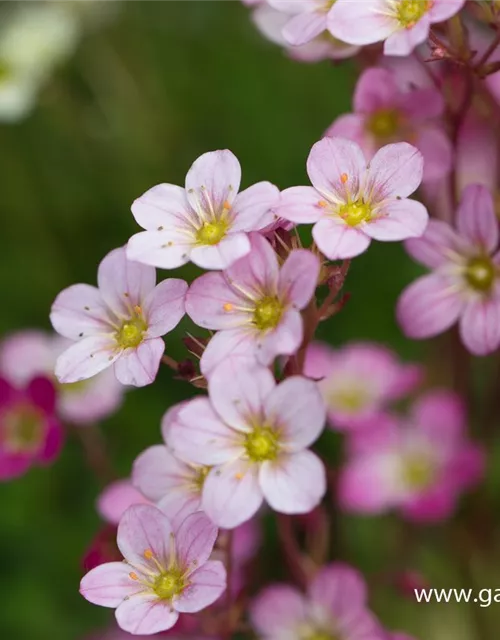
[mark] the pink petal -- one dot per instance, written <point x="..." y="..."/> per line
<point x="25" y="354"/>
<point x="116" y="498"/>
<point x="285" y="339"/>
<point x="79" y="311"/>
<point x="370" y="483"/>
<point x="14" y="465"/>
<point x="206" y="585"/>
<point x="252" y="207"/>
<point x="157" y="471"/>
<point x="437" y="151"/>
<point x="257" y="272"/>
<point x="293" y="483"/>
<point x="167" y="249"/>
<point x="194" y="541"/>
<point x="360" y="22"/>
<point x="42" y="393"/>
<point x="339" y="241"/>
<point x="296" y="407"/>
<point x="277" y="610"/>
<point x="429" y="306"/>
<point x="220" y="256"/>
<point x="437" y="503"/>
<point x="169" y="418"/>
<point x="480" y="326"/>
<point x="239" y="344"/>
<point x="139" y="366"/>
<point x="54" y="440"/>
<point x="441" y="416"/>
<point x="86" y="358"/>
<point x="164" y="307"/>
<point x="299" y="204"/>
<point x="231" y="493"/>
<point x="434" y="248"/>
<point x="443" y="9"/>
<point x="395" y="171"/>
<point x="304" y="27"/>
<point x="163" y="206"/>
<point x="213" y="304"/>
<point x="376" y="89"/>
<point x="403" y="41"/>
<point x="213" y="179"/>
<point x="476" y="155"/>
<point x="421" y="104"/>
<point x="293" y="6"/>
<point x="476" y="219"/>
<point x="399" y="220"/>
<point x="320" y="360"/>
<point x="340" y="589"/>
<point x="351" y="126"/>
<point x="109" y="584"/>
<point x="180" y="503"/>
<point x="299" y="277"/>
<point x="146" y="614"/>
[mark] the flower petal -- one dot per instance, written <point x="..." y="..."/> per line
<point x="376" y="89"/>
<point x="54" y="440"/>
<point x="480" y="326"/>
<point x="351" y="126"/>
<point x="167" y="249"/>
<point x="338" y="240"/>
<point x="278" y="609"/>
<point x="221" y="255"/>
<point x="252" y="207"/>
<point x="213" y="304"/>
<point x="395" y="172"/>
<point x="86" y="358"/>
<point x="213" y="180"/>
<point x="194" y="541"/>
<point x="285" y="339"/>
<point x="206" y="585"/>
<point x="360" y="22"/>
<point x="257" y="273"/>
<point x="116" y="498"/>
<point x="476" y="219"/>
<point x="79" y="311"/>
<point x="164" y="306"/>
<point x="340" y="589"/>
<point x="304" y="27"/>
<point x="441" y="416"/>
<point x="139" y="366"/>
<point x="441" y="10"/>
<point x="157" y="471"/>
<point x="109" y="584"/>
<point x="145" y="615"/>
<point x="476" y="157"/>
<point x="299" y="277"/>
<point x="398" y="220"/>
<point x="434" y="248"/>
<point x="238" y="344"/>
<point x="403" y="41"/>
<point x="163" y="206"/>
<point x="42" y="393"/>
<point x="437" y="151"/>
<point x="299" y="204"/>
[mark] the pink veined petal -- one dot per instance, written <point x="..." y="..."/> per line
<point x="206" y="585"/>
<point x="300" y="204"/>
<point x="252" y="207"/>
<point x="79" y="311"/>
<point x="340" y="589"/>
<point x="434" y="248"/>
<point x="167" y="249"/>
<point x="139" y="366"/>
<point x="213" y="180"/>
<point x="304" y="27"/>
<point x="338" y="240"/>
<point x="285" y="339"/>
<point x="42" y="393"/>
<point x="480" y="326"/>
<point x="476" y="157"/>
<point x="162" y="206"/>
<point x="376" y="89"/>
<point x="231" y="493"/>
<point x="398" y="220"/>
<point x="441" y="416"/>
<point x="194" y="541"/>
<point x="361" y="22"/>
<point x="238" y="393"/>
<point x="351" y="126"/>
<point x="124" y="284"/>
<point x="86" y="358"/>
<point x="296" y="407"/>
<point x="277" y="610"/>
<point x="54" y="440"/>
<point x="476" y="219"/>
<point x="145" y="614"/>
<point x="257" y="273"/>
<point x="395" y="171"/>
<point x="403" y="41"/>
<point x="116" y="498"/>
<point x="336" y="167"/>
<point x="239" y="344"/>
<point x="164" y="306"/>
<point x="157" y="471"/>
<point x="201" y="437"/>
<point x="429" y="306"/>
<point x="443" y="9"/>
<point x="109" y="584"/>
<point x="222" y="255"/>
<point x="298" y="277"/>
<point x="437" y="151"/>
<point x="293" y="483"/>
<point x="180" y="503"/>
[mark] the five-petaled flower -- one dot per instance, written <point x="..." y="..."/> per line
<point x="164" y="573"/>
<point x="119" y="323"/>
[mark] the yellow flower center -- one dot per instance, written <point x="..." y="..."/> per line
<point x="72" y="387"/>
<point x="384" y="123"/>
<point x="320" y="635"/>
<point x="169" y="584"/>
<point x="351" y="400"/>
<point x="23" y="429"/>
<point x="131" y="333"/>
<point x="418" y="472"/>
<point x="267" y="313"/>
<point x="199" y="479"/>
<point x="409" y="12"/>
<point x="353" y="213"/>
<point x="262" y="444"/>
<point x="480" y="273"/>
<point x="212" y="232"/>
<point x="5" y="71"/>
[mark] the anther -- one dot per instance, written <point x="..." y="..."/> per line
<point x="148" y="554"/>
<point x="344" y="178"/>
<point x="133" y="576"/>
<point x="228" y="306"/>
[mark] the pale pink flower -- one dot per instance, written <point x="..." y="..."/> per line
<point x="120" y="323"/>
<point x="352" y="202"/>
<point x="254" y="305"/>
<point x="335" y="606"/>
<point x="116" y="498"/>
<point x="30" y="353"/>
<point x="464" y="285"/>
<point x="30" y="434"/>
<point x="207" y="222"/>
<point x="401" y="24"/>
<point x="254" y="433"/>
<point x="419" y="466"/>
<point x="359" y="381"/>
<point x="384" y="113"/>
<point x="164" y="573"/>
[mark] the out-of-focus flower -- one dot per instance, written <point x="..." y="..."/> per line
<point x="255" y="435"/>
<point x="119" y="323"/>
<point x="116" y="498"/>
<point x="254" y="305"/>
<point x="420" y="466"/>
<point x="207" y="222"/>
<point x="402" y="24"/>
<point x="29" y="431"/>
<point x="400" y="636"/>
<point x="359" y="381"/>
<point x="29" y="353"/>
<point x="165" y="572"/>
<point x="335" y="606"/>
<point x="102" y="548"/>
<point x="384" y="113"/>
<point x="464" y="284"/>
<point x="352" y="202"/>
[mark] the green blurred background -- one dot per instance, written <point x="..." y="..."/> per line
<point x="156" y="86"/>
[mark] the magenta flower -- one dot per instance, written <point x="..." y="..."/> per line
<point x="335" y="606"/>
<point x="352" y="202"/>
<point x="255" y="305"/>
<point x="29" y="432"/>
<point x="359" y="381"/>
<point x="384" y="113"/>
<point x="419" y="467"/>
<point x="402" y="24"/>
<point x="207" y="222"/>
<point x="30" y="353"/>
<point x="120" y="323"/>
<point x="116" y="498"/>
<point x="164" y="572"/>
<point x="464" y="285"/>
<point x="255" y="435"/>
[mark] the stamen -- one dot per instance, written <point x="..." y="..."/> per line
<point x="228" y="307"/>
<point x="148" y="554"/>
<point x="133" y="576"/>
<point x="344" y="178"/>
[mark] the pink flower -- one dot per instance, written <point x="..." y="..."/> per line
<point x="464" y="285"/>
<point x="29" y="353"/>
<point x="335" y="606"/>
<point x="255" y="305"/>
<point x="384" y="113"/>
<point x="29" y="432"/>
<point x="255" y="435"/>
<point x="116" y="498"/>
<point x="420" y="466"/>
<point x="402" y="24"/>
<point x="119" y="323"/>
<point x="359" y="381"/>
<point x="207" y="222"/>
<point x="352" y="202"/>
<point x="164" y="572"/>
